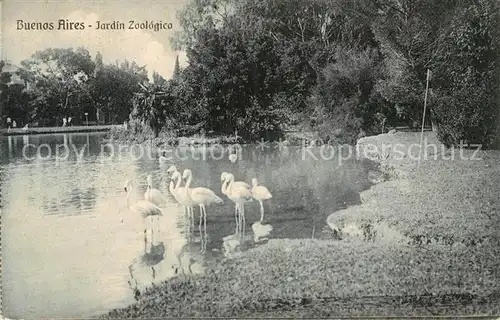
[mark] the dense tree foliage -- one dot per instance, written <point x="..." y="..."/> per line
<point x="68" y="83"/>
<point x="467" y="76"/>
<point x="339" y="68"/>
<point x="343" y="68"/>
<point x="4" y="81"/>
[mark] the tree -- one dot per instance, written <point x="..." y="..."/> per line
<point x="177" y="69"/>
<point x="150" y="106"/>
<point x="17" y="104"/>
<point x="409" y="33"/>
<point x="343" y="101"/>
<point x="236" y="76"/>
<point x="196" y="17"/>
<point x="112" y="87"/>
<point x="60" y="76"/>
<point x="466" y="76"/>
<point x="255" y="65"/>
<point x="158" y="79"/>
<point x="4" y="86"/>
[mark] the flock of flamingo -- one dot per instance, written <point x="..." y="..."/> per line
<point x="238" y="192"/>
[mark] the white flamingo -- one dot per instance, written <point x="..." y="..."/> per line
<point x="260" y="193"/>
<point x="152" y="194"/>
<point x="224" y="189"/>
<point x="172" y="187"/>
<point x="199" y="196"/>
<point x="180" y="195"/>
<point x="143" y="207"/>
<point x="188" y="209"/>
<point x="239" y="184"/>
<point x="233" y="157"/>
<point x="172" y="169"/>
<point x="162" y="159"/>
<point x="239" y="192"/>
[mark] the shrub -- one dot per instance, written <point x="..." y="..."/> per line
<point x="467" y="104"/>
<point x="342" y="101"/>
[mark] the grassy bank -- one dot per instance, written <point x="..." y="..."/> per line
<point x="326" y="278"/>
<point x="412" y="248"/>
<point x="451" y="197"/>
<point x="71" y="129"/>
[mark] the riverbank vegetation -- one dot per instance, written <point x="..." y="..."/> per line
<point x="340" y="69"/>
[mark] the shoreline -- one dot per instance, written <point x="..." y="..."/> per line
<point x="345" y="275"/>
<point x="408" y="207"/>
<point x="49" y="130"/>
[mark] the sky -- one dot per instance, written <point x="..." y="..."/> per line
<point x="146" y="47"/>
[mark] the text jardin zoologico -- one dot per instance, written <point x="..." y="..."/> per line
<point x="68" y="25"/>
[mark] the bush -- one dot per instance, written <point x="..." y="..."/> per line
<point x="342" y="102"/>
<point x="135" y="132"/>
<point x="467" y="105"/>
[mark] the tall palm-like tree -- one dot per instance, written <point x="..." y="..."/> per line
<point x="150" y="106"/>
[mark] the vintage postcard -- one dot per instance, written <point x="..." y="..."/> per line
<point x="249" y="159"/>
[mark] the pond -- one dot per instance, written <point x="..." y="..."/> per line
<point x="71" y="248"/>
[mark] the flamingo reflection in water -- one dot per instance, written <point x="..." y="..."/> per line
<point x="148" y="261"/>
<point x="156" y="265"/>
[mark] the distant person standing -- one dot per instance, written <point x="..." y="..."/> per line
<point x="14" y="124"/>
<point x="9" y="122"/>
<point x="64" y="122"/>
<point x="69" y="121"/>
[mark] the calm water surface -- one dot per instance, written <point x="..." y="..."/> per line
<point x="71" y="248"/>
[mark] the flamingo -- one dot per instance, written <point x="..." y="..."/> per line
<point x="233" y="157"/>
<point x="173" y="186"/>
<point x="239" y="192"/>
<point x="199" y="196"/>
<point x="225" y="191"/>
<point x="187" y="209"/>
<point x="152" y="194"/>
<point x="172" y="169"/>
<point x="179" y="194"/>
<point x="239" y="184"/>
<point x="143" y="207"/>
<point x="260" y="193"/>
<point x="162" y="159"/>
